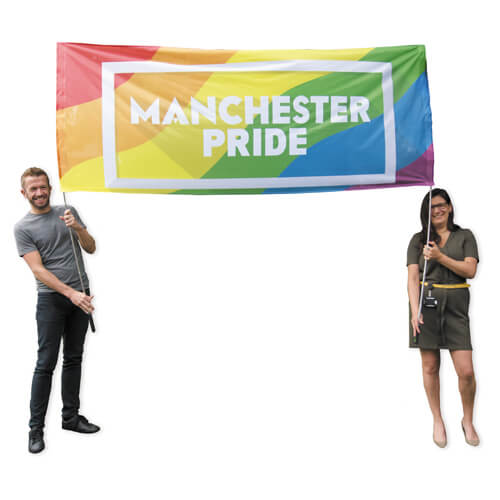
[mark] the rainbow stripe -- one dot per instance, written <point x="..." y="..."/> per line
<point x="266" y="121"/>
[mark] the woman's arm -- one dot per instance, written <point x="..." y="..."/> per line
<point x="465" y="268"/>
<point x="413" y="296"/>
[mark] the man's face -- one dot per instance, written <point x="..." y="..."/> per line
<point x="37" y="191"/>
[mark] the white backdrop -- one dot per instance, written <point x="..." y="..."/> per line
<point x="253" y="347"/>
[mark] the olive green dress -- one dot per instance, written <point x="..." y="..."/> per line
<point x="447" y="326"/>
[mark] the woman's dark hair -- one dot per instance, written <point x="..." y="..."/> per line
<point x="424" y="216"/>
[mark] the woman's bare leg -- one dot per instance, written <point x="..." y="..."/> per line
<point x="467" y="387"/>
<point x="431" y="361"/>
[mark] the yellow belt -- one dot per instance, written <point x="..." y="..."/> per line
<point x="457" y="285"/>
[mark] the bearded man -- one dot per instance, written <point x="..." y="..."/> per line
<point x="43" y="240"/>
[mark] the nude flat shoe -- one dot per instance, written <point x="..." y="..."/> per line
<point x="471" y="442"/>
<point x="441" y="444"/>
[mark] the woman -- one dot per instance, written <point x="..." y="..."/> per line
<point x="452" y="257"/>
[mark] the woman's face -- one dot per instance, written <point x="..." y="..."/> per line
<point x="440" y="211"/>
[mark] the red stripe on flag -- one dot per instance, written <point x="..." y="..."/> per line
<point x="79" y="69"/>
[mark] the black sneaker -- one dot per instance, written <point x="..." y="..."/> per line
<point x="36" y="443"/>
<point x="80" y="424"/>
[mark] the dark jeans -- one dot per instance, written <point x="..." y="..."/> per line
<point x="57" y="318"/>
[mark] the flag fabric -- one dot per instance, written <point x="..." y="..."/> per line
<point x="186" y="121"/>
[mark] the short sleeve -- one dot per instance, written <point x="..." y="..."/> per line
<point x="24" y="242"/>
<point x="414" y="250"/>
<point x="77" y="217"/>
<point x="470" y="245"/>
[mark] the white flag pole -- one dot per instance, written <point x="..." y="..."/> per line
<point x="415" y="337"/>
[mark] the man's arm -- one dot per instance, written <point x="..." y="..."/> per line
<point x="86" y="240"/>
<point x="80" y="299"/>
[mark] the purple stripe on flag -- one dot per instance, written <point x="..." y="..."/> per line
<point x="418" y="173"/>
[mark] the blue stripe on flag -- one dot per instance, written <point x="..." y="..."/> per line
<point x="361" y="149"/>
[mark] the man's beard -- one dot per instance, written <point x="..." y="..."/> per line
<point x="40" y="207"/>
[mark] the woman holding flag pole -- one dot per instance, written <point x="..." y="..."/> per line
<point x="441" y="257"/>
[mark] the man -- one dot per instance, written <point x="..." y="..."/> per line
<point x="43" y="240"/>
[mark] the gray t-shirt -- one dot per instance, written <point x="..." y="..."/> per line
<point x="48" y="234"/>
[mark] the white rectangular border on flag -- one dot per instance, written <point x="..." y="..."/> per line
<point x="112" y="181"/>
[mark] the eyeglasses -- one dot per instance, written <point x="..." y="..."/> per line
<point x="439" y="206"/>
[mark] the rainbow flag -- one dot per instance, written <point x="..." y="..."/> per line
<point x="188" y="121"/>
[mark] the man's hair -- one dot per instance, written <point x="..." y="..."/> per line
<point x="34" y="172"/>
